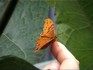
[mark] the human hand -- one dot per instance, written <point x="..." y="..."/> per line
<point x="65" y="60"/>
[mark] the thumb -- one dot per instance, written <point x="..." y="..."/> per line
<point x="64" y="56"/>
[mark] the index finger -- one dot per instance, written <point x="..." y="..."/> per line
<point x="60" y="52"/>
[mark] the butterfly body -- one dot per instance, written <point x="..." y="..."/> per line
<point x="47" y="36"/>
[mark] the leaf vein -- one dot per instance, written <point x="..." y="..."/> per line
<point x="16" y="45"/>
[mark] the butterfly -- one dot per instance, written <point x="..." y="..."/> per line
<point x="47" y="36"/>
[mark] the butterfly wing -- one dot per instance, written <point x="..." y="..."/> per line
<point x="42" y="43"/>
<point x="48" y="29"/>
<point x="47" y="24"/>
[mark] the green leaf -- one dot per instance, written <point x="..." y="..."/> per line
<point x="75" y="29"/>
<point x="15" y="63"/>
<point x="24" y="27"/>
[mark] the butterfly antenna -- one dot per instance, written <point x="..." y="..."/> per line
<point x="35" y="51"/>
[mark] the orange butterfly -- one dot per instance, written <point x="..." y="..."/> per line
<point x="47" y="36"/>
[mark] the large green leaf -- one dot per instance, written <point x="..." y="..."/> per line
<point x="75" y="29"/>
<point x="15" y="63"/>
<point x="25" y="25"/>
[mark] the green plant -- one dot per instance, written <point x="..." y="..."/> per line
<point x="74" y="28"/>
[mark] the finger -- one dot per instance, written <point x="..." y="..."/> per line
<point x="52" y="66"/>
<point x="69" y="64"/>
<point x="60" y="52"/>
